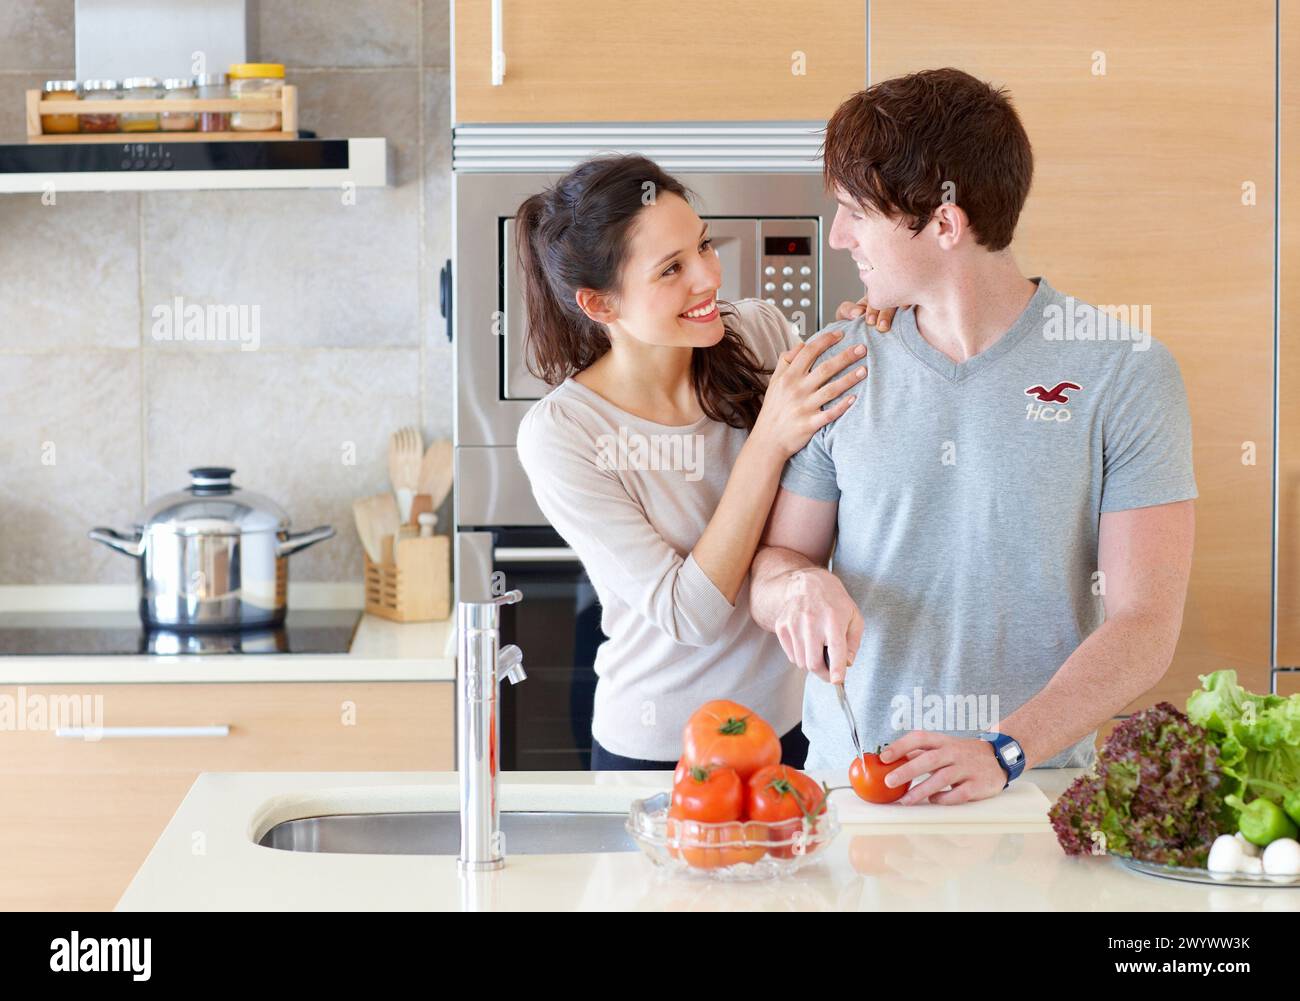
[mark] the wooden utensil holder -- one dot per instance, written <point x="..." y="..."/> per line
<point x="413" y="583"/>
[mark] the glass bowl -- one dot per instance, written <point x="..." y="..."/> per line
<point x="737" y="850"/>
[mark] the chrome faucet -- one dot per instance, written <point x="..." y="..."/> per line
<point x="480" y="666"/>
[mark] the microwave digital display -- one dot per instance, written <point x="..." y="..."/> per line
<point x="784" y="246"/>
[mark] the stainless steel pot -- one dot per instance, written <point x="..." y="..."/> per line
<point x="212" y="556"/>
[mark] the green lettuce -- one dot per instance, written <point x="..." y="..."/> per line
<point x="1258" y="736"/>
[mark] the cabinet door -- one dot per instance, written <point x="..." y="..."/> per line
<point x="1288" y="466"/>
<point x="658" y="60"/>
<point x="1152" y="128"/>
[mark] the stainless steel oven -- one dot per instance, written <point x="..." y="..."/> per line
<point x="771" y="230"/>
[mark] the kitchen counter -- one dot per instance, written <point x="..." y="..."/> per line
<point x="207" y="859"/>
<point x="381" y="650"/>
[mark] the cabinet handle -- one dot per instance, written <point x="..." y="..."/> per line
<point x="80" y="732"/>
<point x="498" y="47"/>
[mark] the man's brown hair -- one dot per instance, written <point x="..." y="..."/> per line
<point x="904" y="144"/>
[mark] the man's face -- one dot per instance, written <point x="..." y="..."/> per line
<point x="893" y="262"/>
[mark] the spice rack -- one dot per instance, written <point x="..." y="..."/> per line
<point x="413" y="581"/>
<point x="286" y="105"/>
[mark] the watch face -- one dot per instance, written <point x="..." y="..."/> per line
<point x="1011" y="752"/>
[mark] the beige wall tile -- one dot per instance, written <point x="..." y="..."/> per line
<point x="437" y="33"/>
<point x="69" y="272"/>
<point x="338" y="32"/>
<point x="321" y="273"/>
<point x="36" y="34"/>
<point x="70" y="450"/>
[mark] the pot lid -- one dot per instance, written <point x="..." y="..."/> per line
<point x="213" y="505"/>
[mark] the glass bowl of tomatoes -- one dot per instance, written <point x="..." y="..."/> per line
<point x="730" y="850"/>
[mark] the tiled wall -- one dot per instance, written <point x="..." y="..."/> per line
<point x="98" y="417"/>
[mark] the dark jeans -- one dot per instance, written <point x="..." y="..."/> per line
<point x="794" y="752"/>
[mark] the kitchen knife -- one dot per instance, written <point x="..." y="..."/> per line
<point x="844" y="705"/>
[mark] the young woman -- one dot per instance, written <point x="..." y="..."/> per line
<point x="658" y="453"/>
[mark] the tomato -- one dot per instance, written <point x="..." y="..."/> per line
<point x="711" y="846"/>
<point x="726" y="733"/>
<point x="779" y="792"/>
<point x="779" y="797"/>
<point x="867" y="776"/>
<point x="713" y="795"/>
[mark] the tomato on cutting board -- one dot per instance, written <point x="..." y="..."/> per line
<point x="727" y="733"/>
<point x="867" y="776"/>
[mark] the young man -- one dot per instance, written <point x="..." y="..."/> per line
<point x="1012" y="489"/>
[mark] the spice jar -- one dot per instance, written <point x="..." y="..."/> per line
<point x="256" y="80"/>
<point x="59" y="90"/>
<point x="140" y="88"/>
<point x="179" y="89"/>
<point x="100" y="90"/>
<point x="213" y="86"/>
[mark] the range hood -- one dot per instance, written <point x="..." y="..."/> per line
<point x="170" y="38"/>
<point x="190" y="166"/>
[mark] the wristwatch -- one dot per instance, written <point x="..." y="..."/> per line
<point x="1010" y="754"/>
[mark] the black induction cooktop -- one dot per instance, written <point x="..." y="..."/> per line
<point x="118" y="633"/>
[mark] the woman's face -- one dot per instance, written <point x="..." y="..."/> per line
<point x="670" y="279"/>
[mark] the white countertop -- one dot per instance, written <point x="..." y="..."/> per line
<point x="381" y="650"/>
<point x="207" y="858"/>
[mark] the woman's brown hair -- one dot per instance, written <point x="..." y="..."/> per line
<point x="574" y="236"/>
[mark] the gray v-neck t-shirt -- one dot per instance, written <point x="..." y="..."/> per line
<point x="969" y="503"/>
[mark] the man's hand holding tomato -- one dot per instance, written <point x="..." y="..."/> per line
<point x="965" y="763"/>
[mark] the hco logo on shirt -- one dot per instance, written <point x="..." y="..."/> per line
<point x="1041" y="411"/>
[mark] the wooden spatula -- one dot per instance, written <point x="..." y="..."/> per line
<point x="375" y="517"/>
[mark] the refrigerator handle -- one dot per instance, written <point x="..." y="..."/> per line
<point x="444" y="296"/>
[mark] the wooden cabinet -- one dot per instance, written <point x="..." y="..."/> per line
<point x="82" y="815"/>
<point x="658" y="60"/>
<point x="1152" y="128"/>
<point x="1288" y="465"/>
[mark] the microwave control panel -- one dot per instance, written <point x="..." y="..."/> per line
<point x="788" y="275"/>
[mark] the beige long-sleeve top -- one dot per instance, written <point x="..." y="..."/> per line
<point x="632" y="498"/>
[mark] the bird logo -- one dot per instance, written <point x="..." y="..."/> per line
<point x="1054" y="395"/>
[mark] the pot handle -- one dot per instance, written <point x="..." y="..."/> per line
<point x="293" y="542"/>
<point x="132" y="545"/>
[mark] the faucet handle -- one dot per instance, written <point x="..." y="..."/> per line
<point x="510" y="664"/>
<point x="509" y="598"/>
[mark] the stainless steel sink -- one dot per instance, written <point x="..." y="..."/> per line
<point x="438" y="833"/>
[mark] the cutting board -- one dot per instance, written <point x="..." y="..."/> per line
<point x="1021" y="803"/>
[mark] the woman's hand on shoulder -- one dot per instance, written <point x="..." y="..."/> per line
<point x="878" y="318"/>
<point x="792" y="407"/>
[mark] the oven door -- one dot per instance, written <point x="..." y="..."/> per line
<point x="546" y="719"/>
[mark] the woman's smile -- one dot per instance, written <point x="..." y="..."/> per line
<point x="702" y="312"/>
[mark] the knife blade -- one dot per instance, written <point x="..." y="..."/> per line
<point x="845" y="707"/>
